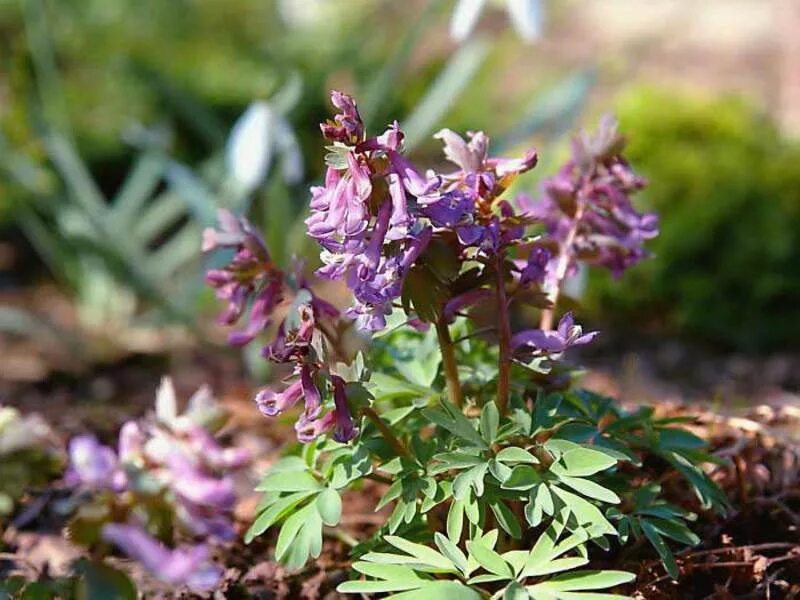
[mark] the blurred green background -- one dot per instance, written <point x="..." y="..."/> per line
<point x="115" y="117"/>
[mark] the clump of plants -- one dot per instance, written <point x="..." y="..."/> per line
<point x="505" y="479"/>
<point x="164" y="498"/>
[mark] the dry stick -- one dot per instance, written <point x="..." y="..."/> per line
<point x="449" y="363"/>
<point x="554" y="289"/>
<point x="387" y="434"/>
<point x="504" y="339"/>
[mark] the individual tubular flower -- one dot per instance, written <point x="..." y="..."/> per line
<point x="550" y="342"/>
<point x="189" y="565"/>
<point x="250" y="278"/>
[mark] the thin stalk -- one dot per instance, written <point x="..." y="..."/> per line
<point x="449" y="362"/>
<point x="564" y="255"/>
<point x="387" y="434"/>
<point x="504" y="339"/>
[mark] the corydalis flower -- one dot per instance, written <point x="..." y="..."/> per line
<point x="361" y="218"/>
<point x="467" y="199"/>
<point x="93" y="465"/>
<point x="586" y="207"/>
<point x="249" y="278"/>
<point x="175" y="459"/>
<point x="189" y="566"/>
<point x="567" y="335"/>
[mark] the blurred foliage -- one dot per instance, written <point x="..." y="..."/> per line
<point x="727" y="187"/>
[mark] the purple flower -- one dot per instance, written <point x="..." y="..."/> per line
<point x="586" y="207"/>
<point x="272" y="403"/>
<point x="131" y="442"/>
<point x="344" y="429"/>
<point x="187" y="565"/>
<point x="249" y="278"/>
<point x="536" y="266"/>
<point x="309" y="428"/>
<point x="346" y="127"/>
<point x="93" y="465"/>
<point x="361" y="216"/>
<point x="567" y="335"/>
<point x="190" y="482"/>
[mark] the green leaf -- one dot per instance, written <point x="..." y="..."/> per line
<point x="451" y="551"/>
<point x="499" y="471"/>
<point x="453" y="420"/>
<point x="523" y="477"/>
<point x="489" y="559"/>
<point x="490" y="421"/>
<point x="472" y="477"/>
<point x="273" y="513"/>
<point x="289" y="481"/>
<point x="655" y="539"/>
<point x="424" y="554"/>
<point x="591" y="489"/>
<point x="455" y="520"/>
<point x="329" y="506"/>
<point x="455" y="460"/>
<point x="506" y="519"/>
<point x="513" y="454"/>
<point x="584" y="511"/>
<point x="582" y="462"/>
<point x="675" y="530"/>
<point x="452" y="590"/>
<point x="583" y="580"/>
<point x="515" y="591"/>
<point x="291" y="528"/>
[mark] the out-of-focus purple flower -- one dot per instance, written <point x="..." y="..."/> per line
<point x="567" y="334"/>
<point x="202" y="443"/>
<point x="189" y="566"/>
<point x="249" y="278"/>
<point x="189" y="481"/>
<point x="586" y="207"/>
<point x="131" y="442"/>
<point x="93" y="465"/>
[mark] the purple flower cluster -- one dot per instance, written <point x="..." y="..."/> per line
<point x="175" y="457"/>
<point x="361" y="216"/>
<point x="465" y="201"/>
<point x="250" y="277"/>
<point x="377" y="212"/>
<point x="586" y="207"/>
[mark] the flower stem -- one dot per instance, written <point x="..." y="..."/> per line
<point x="504" y="338"/>
<point x="553" y="287"/>
<point x="449" y="363"/>
<point x="387" y="434"/>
